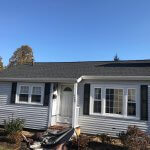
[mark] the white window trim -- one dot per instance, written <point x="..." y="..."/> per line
<point x="111" y="114"/>
<point x="93" y="100"/>
<point x="125" y="88"/>
<point x="31" y="85"/>
<point x="136" y="102"/>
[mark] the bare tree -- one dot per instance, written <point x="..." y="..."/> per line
<point x="23" y="55"/>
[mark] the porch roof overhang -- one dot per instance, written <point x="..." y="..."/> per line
<point x="115" y="78"/>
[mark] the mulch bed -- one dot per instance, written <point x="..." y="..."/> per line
<point x="100" y="146"/>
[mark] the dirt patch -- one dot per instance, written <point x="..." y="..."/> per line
<point x="100" y="146"/>
<point x="27" y="134"/>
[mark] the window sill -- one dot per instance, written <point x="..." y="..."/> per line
<point x="115" y="116"/>
<point x="24" y="103"/>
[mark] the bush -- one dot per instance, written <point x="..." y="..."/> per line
<point x="15" y="138"/>
<point x="13" y="125"/>
<point x="134" y="139"/>
<point x="13" y="128"/>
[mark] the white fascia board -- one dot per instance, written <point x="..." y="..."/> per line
<point x="66" y="80"/>
<point x="144" y="78"/>
<point x="74" y="80"/>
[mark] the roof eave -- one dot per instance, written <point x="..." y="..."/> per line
<point x="66" y="80"/>
<point x="73" y="80"/>
<point x="126" y="78"/>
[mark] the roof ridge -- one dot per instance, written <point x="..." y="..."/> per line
<point x="97" y="61"/>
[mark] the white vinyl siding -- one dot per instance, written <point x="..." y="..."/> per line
<point x="110" y="124"/>
<point x="36" y="116"/>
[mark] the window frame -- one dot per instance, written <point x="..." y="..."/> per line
<point x="112" y="114"/>
<point x="92" y="100"/>
<point x="95" y="100"/>
<point x="130" y="102"/>
<point x="125" y="88"/>
<point x="19" y="92"/>
<point x="30" y="85"/>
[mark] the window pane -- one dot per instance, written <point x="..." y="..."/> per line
<point x="24" y="89"/>
<point x="98" y="93"/>
<point x="36" y="98"/>
<point x="131" y="102"/>
<point x="120" y="92"/>
<point x="68" y="89"/>
<point x="107" y="92"/>
<point x="97" y="100"/>
<point x="23" y="97"/>
<point x="131" y="109"/>
<point x="114" y="99"/>
<point x="36" y="91"/>
<point x="97" y="106"/>
<point x="36" y="95"/>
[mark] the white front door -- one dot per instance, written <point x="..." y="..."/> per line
<point x="66" y="102"/>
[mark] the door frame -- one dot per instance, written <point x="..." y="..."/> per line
<point x="61" y="92"/>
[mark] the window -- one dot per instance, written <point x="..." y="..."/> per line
<point x="30" y="94"/>
<point x="36" y="94"/>
<point x="24" y="93"/>
<point x="114" y="101"/>
<point x="131" y="102"/>
<point x="68" y="89"/>
<point x="97" y="100"/>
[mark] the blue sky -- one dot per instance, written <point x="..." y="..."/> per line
<point x="76" y="30"/>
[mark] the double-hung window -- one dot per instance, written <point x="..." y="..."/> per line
<point x="36" y="94"/>
<point x="114" y="101"/>
<point x="30" y="93"/>
<point x="24" y="94"/>
<point x="131" y="102"/>
<point x="97" y="100"/>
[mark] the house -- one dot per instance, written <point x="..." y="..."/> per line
<point x="98" y="96"/>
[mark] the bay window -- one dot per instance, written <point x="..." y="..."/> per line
<point x="29" y="93"/>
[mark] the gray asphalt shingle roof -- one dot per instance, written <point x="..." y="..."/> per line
<point x="78" y="69"/>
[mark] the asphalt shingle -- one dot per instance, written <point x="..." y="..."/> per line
<point x="78" y="69"/>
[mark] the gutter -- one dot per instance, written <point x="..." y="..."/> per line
<point x="67" y="80"/>
<point x="74" y="80"/>
<point x="126" y="78"/>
